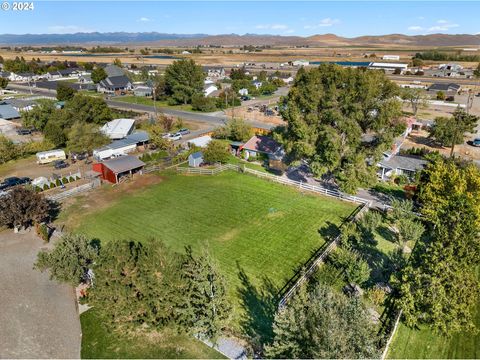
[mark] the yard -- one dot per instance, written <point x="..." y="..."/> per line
<point x="423" y="343"/>
<point x="97" y="343"/>
<point x="259" y="232"/>
<point x="148" y="101"/>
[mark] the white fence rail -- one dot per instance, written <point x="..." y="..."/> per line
<point x="279" y="179"/>
<point x="75" y="191"/>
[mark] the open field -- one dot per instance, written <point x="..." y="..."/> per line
<point x="423" y="343"/>
<point x="98" y="343"/>
<point x="259" y="232"/>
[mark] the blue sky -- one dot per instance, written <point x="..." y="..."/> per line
<point x="262" y="17"/>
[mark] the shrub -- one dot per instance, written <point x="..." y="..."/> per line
<point x="204" y="104"/>
<point x="356" y="269"/>
<point x="43" y="231"/>
<point x="71" y="179"/>
<point x="376" y="295"/>
<point x="52" y="185"/>
<point x="46" y="187"/>
<point x="65" y="180"/>
<point x="58" y="182"/>
<point x="216" y="152"/>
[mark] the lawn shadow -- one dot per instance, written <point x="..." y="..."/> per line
<point x="380" y="263"/>
<point x="260" y="304"/>
<point x="386" y="233"/>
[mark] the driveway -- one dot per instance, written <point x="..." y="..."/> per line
<point x="38" y="317"/>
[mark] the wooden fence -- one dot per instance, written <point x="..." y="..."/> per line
<point x="75" y="191"/>
<point x="317" y="261"/>
<point x="279" y="179"/>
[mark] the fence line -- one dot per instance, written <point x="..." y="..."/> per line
<point x="71" y="192"/>
<point x="315" y="263"/>
<point x="389" y="341"/>
<point x="279" y="179"/>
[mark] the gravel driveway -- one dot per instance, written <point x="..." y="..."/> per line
<point x="38" y="317"/>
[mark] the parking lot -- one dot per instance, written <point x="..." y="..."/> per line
<point x="38" y="317"/>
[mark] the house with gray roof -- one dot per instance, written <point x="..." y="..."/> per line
<point x="8" y="112"/>
<point x="114" y="85"/>
<point x="400" y="165"/>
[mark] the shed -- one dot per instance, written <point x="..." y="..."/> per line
<point x="114" y="169"/>
<point x="122" y="146"/>
<point x="118" y="128"/>
<point x="447" y="88"/>
<point x="195" y="159"/>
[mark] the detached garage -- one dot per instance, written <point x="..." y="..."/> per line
<point x="114" y="169"/>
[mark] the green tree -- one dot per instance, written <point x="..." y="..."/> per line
<point x="85" y="137"/>
<point x="117" y="62"/>
<point x="476" y="72"/>
<point x="8" y="150"/>
<point x="3" y="83"/>
<point x="203" y="103"/>
<point x="88" y="109"/>
<point x="323" y="324"/>
<point x="39" y="115"/>
<point x="136" y="284"/>
<point x="451" y="131"/>
<point x="54" y="133"/>
<point x="417" y="98"/>
<point x="329" y="110"/>
<point x="98" y="74"/>
<point x="64" y="91"/>
<point x="184" y="79"/>
<point x="441" y="95"/>
<point x="409" y="230"/>
<point x="416" y="62"/>
<point x="206" y="307"/>
<point x="23" y="207"/>
<point x="439" y="286"/>
<point x="70" y="259"/>
<point x="216" y="152"/>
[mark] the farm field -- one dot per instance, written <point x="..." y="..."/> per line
<point x="97" y="343"/>
<point x="259" y="232"/>
<point x="425" y="344"/>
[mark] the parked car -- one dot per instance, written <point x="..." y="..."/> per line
<point x="476" y="142"/>
<point x="184" y="131"/>
<point x="60" y="164"/>
<point x="166" y="136"/>
<point x="14" y="181"/>
<point x="174" y="137"/>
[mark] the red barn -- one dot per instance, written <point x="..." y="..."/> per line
<point x="114" y="169"/>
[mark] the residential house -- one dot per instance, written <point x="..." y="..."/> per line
<point x="114" y="85"/>
<point x="113" y="70"/>
<point x="118" y="128"/>
<point x="214" y="73"/>
<point x="143" y="91"/>
<point x="300" y="63"/>
<point x="7" y="111"/>
<point x="21" y="104"/>
<point x="260" y="144"/>
<point x="209" y="89"/>
<point x="391" y="57"/>
<point x="388" y="66"/>
<point x="400" y="165"/>
<point x="85" y="79"/>
<point x="450" y="88"/>
<point x="23" y="77"/>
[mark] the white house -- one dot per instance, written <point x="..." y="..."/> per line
<point x="391" y="57"/>
<point x="300" y="63"/>
<point x="209" y="89"/>
<point x="118" y="128"/>
<point x="243" y="92"/>
<point x="201" y="141"/>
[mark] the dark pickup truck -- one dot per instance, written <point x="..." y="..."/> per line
<point x="14" y="181"/>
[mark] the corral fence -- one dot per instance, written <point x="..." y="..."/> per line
<point x="314" y="263"/>
<point x="75" y="191"/>
<point x="279" y="179"/>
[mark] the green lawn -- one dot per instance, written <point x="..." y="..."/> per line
<point x="425" y="344"/>
<point x="148" y="101"/>
<point x="98" y="343"/>
<point x="259" y="232"/>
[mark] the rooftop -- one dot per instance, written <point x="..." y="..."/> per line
<point x="118" y="128"/>
<point x="264" y="144"/>
<point x="404" y="162"/>
<point x="7" y="111"/>
<point x="123" y="163"/>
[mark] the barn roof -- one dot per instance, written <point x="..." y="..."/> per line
<point x="7" y="111"/>
<point x="123" y="163"/>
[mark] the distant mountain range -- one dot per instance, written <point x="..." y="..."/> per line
<point x="162" y="39"/>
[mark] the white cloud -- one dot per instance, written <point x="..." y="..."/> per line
<point x="272" y="26"/>
<point x="144" y="19"/>
<point x="442" y="25"/>
<point x="415" y="28"/>
<point x="67" y="29"/>
<point x="289" y="31"/>
<point x="327" y="22"/>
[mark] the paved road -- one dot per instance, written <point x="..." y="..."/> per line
<point x="215" y="119"/>
<point x="38" y="318"/>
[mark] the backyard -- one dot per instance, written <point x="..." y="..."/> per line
<point x="260" y="233"/>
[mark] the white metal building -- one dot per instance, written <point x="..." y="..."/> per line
<point x="118" y="128"/>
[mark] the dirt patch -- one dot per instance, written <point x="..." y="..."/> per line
<point x="229" y="235"/>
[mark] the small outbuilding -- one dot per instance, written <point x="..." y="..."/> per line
<point x="118" y="128"/>
<point x="7" y="111"/>
<point x="195" y="159"/>
<point x="114" y="169"/>
<point x="201" y="141"/>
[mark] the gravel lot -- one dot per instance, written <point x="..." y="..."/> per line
<point x="38" y="318"/>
